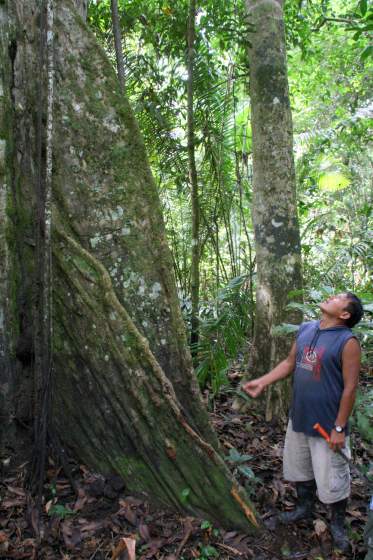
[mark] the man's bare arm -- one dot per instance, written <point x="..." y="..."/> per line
<point x="282" y="370"/>
<point x="351" y="357"/>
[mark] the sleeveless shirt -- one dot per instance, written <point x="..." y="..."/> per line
<point x="318" y="381"/>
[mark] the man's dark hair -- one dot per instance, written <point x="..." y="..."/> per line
<point x="355" y="308"/>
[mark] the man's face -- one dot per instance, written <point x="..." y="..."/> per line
<point x="335" y="306"/>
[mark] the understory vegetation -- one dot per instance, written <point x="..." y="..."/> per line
<point x="330" y="69"/>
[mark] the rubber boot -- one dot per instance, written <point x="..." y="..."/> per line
<point x="337" y="525"/>
<point x="306" y="492"/>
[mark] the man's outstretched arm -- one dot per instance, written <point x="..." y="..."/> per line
<point x="282" y="370"/>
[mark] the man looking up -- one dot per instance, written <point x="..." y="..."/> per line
<point x="325" y="362"/>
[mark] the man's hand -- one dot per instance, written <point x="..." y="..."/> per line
<point x="337" y="441"/>
<point x="253" y="388"/>
<point x="282" y="370"/>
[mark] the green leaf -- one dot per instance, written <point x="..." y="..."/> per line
<point x="364" y="426"/>
<point x="295" y="293"/>
<point x="315" y="295"/>
<point x="304" y="307"/>
<point x="246" y="471"/>
<point x="236" y="457"/>
<point x="206" y="524"/>
<point x="209" y="551"/>
<point x="285" y="550"/>
<point x="333" y="181"/>
<point x="285" y="328"/>
<point x="60" y="511"/>
<point x="363" y="5"/>
<point x="184" y="495"/>
<point x="368" y="51"/>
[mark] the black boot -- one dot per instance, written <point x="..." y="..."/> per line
<point x="337" y="525"/>
<point x="306" y="492"/>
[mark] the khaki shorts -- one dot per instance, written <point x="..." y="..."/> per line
<point x="308" y="458"/>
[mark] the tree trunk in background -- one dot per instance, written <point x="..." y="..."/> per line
<point x="117" y="42"/>
<point x="193" y="180"/>
<point x="125" y="398"/>
<point x="276" y="228"/>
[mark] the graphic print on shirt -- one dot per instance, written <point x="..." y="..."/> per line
<point x="311" y="361"/>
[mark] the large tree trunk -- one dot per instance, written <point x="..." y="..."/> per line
<point x="118" y="42"/>
<point x="125" y="398"/>
<point x="277" y="239"/>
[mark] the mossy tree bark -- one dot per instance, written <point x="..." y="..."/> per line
<point x="276" y="228"/>
<point x="125" y="398"/>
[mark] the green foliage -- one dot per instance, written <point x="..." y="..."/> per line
<point x="155" y="62"/>
<point x="237" y="462"/>
<point x="247" y="472"/>
<point x="235" y="457"/>
<point x="329" y="61"/>
<point x="208" y="551"/>
<point x="61" y="511"/>
<point x="332" y="121"/>
<point x="184" y="495"/>
<point x="362" y="416"/>
<point x="333" y="175"/>
<point x="223" y="333"/>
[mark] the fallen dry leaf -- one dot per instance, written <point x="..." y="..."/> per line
<point x="144" y="532"/>
<point x="355" y="513"/>
<point x="92" y="526"/>
<point x="48" y="505"/>
<point x="35" y="519"/>
<point x="127" y="512"/>
<point x="80" y="502"/>
<point x="17" y="491"/>
<point x="71" y="535"/>
<point x="320" y="527"/>
<point x="126" y="544"/>
<point x="152" y="548"/>
<point x="230" y="535"/>
<point x="19" y="501"/>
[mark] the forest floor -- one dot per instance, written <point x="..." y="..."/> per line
<point x="101" y="522"/>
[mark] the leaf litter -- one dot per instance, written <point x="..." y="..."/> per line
<point x="102" y="522"/>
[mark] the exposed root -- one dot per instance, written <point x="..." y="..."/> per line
<point x="248" y="512"/>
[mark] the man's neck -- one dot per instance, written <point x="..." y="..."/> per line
<point x="327" y="322"/>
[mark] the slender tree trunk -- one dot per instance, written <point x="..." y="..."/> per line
<point x="276" y="228"/>
<point x="7" y="363"/>
<point x="125" y="398"/>
<point x="118" y="42"/>
<point x="193" y="180"/>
